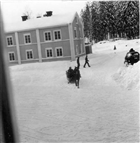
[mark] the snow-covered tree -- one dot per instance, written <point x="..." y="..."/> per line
<point x="113" y="18"/>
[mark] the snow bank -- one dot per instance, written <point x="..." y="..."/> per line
<point x="128" y="77"/>
<point x="121" y="45"/>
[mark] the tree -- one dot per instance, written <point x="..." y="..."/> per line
<point x="86" y="17"/>
<point x="95" y="19"/>
<point x="131" y="18"/>
<point x="114" y="18"/>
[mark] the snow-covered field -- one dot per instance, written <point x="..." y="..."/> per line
<point x="104" y="109"/>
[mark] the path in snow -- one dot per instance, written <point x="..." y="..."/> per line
<point x="49" y="109"/>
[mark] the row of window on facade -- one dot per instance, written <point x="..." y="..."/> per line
<point x="47" y="37"/>
<point x="49" y="53"/>
<point x="30" y="55"/>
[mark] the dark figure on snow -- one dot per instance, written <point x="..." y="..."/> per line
<point x="77" y="76"/>
<point x="132" y="51"/>
<point x="70" y="74"/>
<point x="86" y="61"/>
<point x="78" y="63"/>
<point x="132" y="57"/>
<point x="115" y="47"/>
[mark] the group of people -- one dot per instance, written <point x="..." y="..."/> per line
<point x="72" y="71"/>
<point x="73" y="75"/>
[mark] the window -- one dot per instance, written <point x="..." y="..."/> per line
<point x="79" y="32"/>
<point x="75" y="32"/>
<point x="76" y="49"/>
<point x="76" y="20"/>
<point x="29" y="54"/>
<point x="11" y="56"/>
<point x="9" y="40"/>
<point x="47" y="36"/>
<point x="27" y="38"/>
<point x="49" y="52"/>
<point x="59" y="52"/>
<point x="57" y="35"/>
<point x="81" y="49"/>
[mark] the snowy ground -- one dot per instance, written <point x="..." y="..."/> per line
<point x="101" y="110"/>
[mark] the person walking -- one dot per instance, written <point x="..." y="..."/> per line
<point x="86" y="61"/>
<point x="115" y="47"/>
<point x="78" y="63"/>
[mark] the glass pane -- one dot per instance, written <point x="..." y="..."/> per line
<point x="7" y="41"/>
<point x="75" y="32"/>
<point x="57" y="52"/>
<point x="31" y="55"/>
<point x="27" y="55"/>
<point x="29" y="39"/>
<point x="50" y="53"/>
<point x="47" y="53"/>
<point x="55" y="35"/>
<point x="45" y="36"/>
<point x="49" y="36"/>
<point x="59" y="37"/>
<point x="12" y="56"/>
<point x="26" y="39"/>
<point x="60" y="52"/>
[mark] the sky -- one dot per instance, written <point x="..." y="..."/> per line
<point x="13" y="10"/>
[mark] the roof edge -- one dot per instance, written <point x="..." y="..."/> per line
<point x="35" y="28"/>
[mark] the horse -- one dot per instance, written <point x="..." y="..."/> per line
<point x="77" y="76"/>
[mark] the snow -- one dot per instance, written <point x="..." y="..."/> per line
<point x="128" y="77"/>
<point x="104" y="109"/>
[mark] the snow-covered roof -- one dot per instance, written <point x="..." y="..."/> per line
<point x="54" y="20"/>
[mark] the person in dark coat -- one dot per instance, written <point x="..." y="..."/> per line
<point x="115" y="47"/>
<point x="86" y="61"/>
<point x="78" y="63"/>
<point x="70" y="72"/>
<point x="132" y="51"/>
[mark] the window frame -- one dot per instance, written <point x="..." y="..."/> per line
<point x="56" y="52"/>
<point x="54" y="35"/>
<point x="45" y="36"/>
<point x="12" y="40"/>
<point x="32" y="54"/>
<point x="46" y="52"/>
<point x="80" y="32"/>
<point x="77" y="50"/>
<point x="9" y="56"/>
<point x="81" y="48"/>
<point x="27" y="34"/>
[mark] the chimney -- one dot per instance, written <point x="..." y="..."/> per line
<point x="38" y="17"/>
<point x="24" y="18"/>
<point x="45" y="15"/>
<point x="48" y="13"/>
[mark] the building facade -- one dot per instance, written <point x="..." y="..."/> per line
<point x="45" y="39"/>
